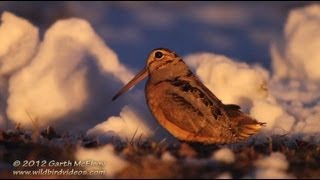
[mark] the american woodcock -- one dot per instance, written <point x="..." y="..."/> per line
<point x="185" y="107"/>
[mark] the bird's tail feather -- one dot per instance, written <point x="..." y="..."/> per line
<point x="247" y="130"/>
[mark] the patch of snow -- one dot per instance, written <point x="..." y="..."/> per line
<point x="231" y="81"/>
<point x="273" y="166"/>
<point x="19" y="40"/>
<point x="224" y="155"/>
<point x="127" y="126"/>
<point x="299" y="56"/>
<point x="106" y="155"/>
<point x="224" y="175"/>
<point x="296" y="75"/>
<point x="273" y="114"/>
<point x="168" y="157"/>
<point x="69" y="78"/>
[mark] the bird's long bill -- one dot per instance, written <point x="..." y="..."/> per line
<point x="140" y="76"/>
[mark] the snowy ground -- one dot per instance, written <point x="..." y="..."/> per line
<point x="64" y="74"/>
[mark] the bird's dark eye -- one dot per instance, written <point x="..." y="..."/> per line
<point x="158" y="55"/>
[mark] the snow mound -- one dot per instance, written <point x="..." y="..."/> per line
<point x="129" y="125"/>
<point x="71" y="68"/>
<point x="299" y="56"/>
<point x="70" y="78"/>
<point x="296" y="62"/>
<point x="231" y="81"/>
<point x="19" y="40"/>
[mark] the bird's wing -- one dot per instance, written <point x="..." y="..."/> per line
<point x="239" y="124"/>
<point x="189" y="109"/>
<point x="189" y="121"/>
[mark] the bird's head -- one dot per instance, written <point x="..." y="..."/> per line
<point x="161" y="61"/>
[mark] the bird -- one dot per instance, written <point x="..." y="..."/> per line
<point x="185" y="107"/>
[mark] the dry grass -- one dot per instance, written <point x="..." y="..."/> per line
<point x="191" y="160"/>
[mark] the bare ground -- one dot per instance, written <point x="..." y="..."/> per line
<point x="145" y="157"/>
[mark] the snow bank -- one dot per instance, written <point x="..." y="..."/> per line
<point x="67" y="79"/>
<point x="19" y="40"/>
<point x="105" y="155"/>
<point x="231" y="81"/>
<point x="296" y="62"/>
<point x="299" y="55"/>
<point x="60" y="81"/>
<point x="277" y="118"/>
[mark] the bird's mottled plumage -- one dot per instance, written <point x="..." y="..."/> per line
<point x="185" y="107"/>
